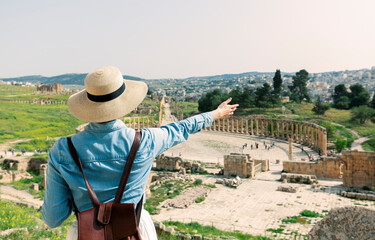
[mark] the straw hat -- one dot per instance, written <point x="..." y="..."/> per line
<point x="107" y="96"/>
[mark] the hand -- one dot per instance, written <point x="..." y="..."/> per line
<point x="225" y="110"/>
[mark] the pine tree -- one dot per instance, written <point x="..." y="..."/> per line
<point x="319" y="107"/>
<point x="277" y="82"/>
<point x="298" y="89"/>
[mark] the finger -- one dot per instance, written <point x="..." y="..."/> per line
<point x="234" y="105"/>
<point x="228" y="100"/>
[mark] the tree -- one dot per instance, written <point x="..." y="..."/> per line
<point x="372" y="103"/>
<point x="340" y="97"/>
<point x="211" y="100"/>
<point x="298" y="89"/>
<point x="263" y="96"/>
<point x="277" y="82"/>
<point x="319" y="107"/>
<point x="247" y="99"/>
<point x="358" y="95"/>
<point x="340" y="144"/>
<point x="362" y="114"/>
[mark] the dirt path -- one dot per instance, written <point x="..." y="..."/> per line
<point x="19" y="196"/>
<point x="357" y="144"/>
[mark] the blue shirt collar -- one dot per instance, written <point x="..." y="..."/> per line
<point x="105" y="127"/>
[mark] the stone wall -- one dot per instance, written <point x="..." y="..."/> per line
<point x="24" y="164"/>
<point x="242" y="165"/>
<point x="325" y="167"/>
<point x="359" y="170"/>
<point x="356" y="168"/>
<point x="309" y="134"/>
<point x="10" y="176"/>
<point x="176" y="164"/>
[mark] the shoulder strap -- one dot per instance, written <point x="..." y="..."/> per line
<point x="94" y="199"/>
<point x="128" y="167"/>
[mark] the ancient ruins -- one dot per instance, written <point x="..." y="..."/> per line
<point x="357" y="169"/>
<point x="243" y="166"/>
<point x="308" y="134"/>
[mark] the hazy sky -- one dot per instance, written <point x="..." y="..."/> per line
<point x="175" y="38"/>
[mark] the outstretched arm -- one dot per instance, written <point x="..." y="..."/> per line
<point x="165" y="137"/>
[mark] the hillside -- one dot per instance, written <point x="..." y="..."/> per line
<point x="65" y="79"/>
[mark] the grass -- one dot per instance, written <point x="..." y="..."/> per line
<point x="302" y="218"/>
<point x="31" y="145"/>
<point x="210" y="231"/>
<point x="168" y="190"/>
<point x="17" y="216"/>
<point x="23" y="120"/>
<point x="200" y="199"/>
<point x="278" y="230"/>
<point x="369" y="145"/>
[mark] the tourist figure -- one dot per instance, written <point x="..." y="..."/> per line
<point x="104" y="146"/>
<point x="5" y="152"/>
<point x="23" y="151"/>
<point x="12" y="150"/>
<point x="251" y="146"/>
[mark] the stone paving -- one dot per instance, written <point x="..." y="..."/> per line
<point x="255" y="205"/>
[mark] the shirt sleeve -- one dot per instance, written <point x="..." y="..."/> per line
<point x="57" y="198"/>
<point x="161" y="139"/>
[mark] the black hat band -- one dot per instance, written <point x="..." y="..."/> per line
<point x="107" y="97"/>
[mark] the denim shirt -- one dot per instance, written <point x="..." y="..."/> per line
<point x="103" y="150"/>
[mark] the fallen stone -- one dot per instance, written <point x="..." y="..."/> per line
<point x="287" y="188"/>
<point x="345" y="223"/>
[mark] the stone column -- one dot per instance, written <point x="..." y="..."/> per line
<point x="148" y="122"/>
<point x="272" y="132"/>
<point x="237" y="128"/>
<point x="300" y="133"/>
<point x="292" y="129"/>
<point x="262" y="127"/>
<point x="296" y="132"/>
<point x="282" y="129"/>
<point x="247" y="126"/>
<point x="267" y="129"/>
<point x="278" y="128"/>
<point x="43" y="171"/>
<point x="324" y="147"/>
<point x="242" y="125"/>
<point x="257" y="126"/>
<point x="304" y="133"/>
<point x="290" y="149"/>
<point x="252" y="126"/>
<point x="232" y="125"/>
<point x="133" y="122"/>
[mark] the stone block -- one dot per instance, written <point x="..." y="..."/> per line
<point x="287" y="188"/>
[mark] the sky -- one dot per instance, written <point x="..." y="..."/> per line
<point x="177" y="39"/>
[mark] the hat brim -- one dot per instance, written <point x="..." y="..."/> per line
<point x="86" y="110"/>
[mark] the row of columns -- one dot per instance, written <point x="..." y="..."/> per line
<point x="311" y="135"/>
<point x="41" y="102"/>
<point x="138" y="123"/>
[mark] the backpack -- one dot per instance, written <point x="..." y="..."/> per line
<point x="109" y="221"/>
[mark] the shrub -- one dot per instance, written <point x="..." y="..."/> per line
<point x="308" y="213"/>
<point x="200" y="199"/>
<point x="198" y="182"/>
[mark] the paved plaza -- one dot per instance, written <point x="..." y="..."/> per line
<point x="255" y="205"/>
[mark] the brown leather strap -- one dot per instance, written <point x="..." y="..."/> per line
<point x="94" y="199"/>
<point x="128" y="167"/>
<point x="138" y="210"/>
